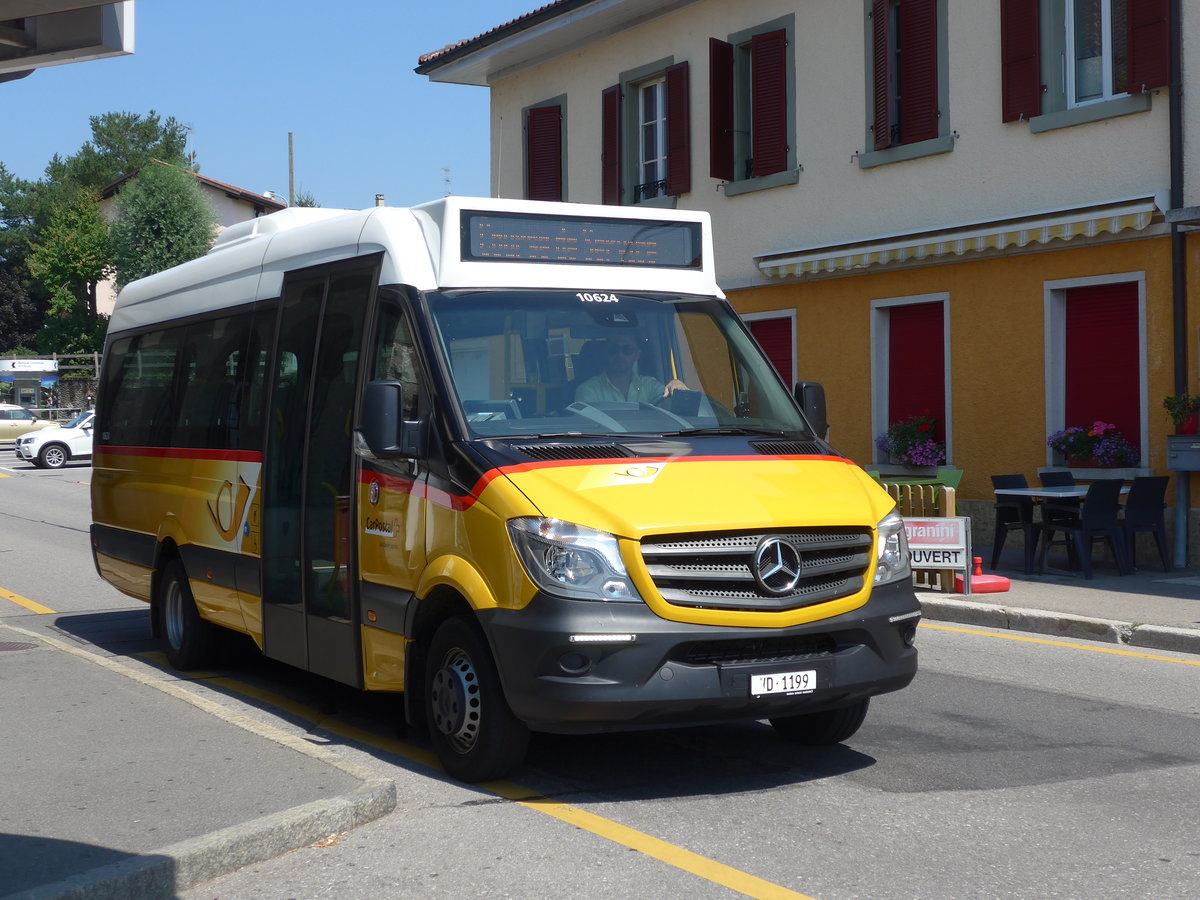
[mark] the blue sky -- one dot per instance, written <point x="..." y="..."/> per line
<point x="243" y="73"/>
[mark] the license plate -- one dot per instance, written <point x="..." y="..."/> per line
<point x="784" y="683"/>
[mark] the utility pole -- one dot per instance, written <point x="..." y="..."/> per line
<point x="291" y="173"/>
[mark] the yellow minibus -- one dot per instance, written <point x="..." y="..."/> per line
<point x="520" y="461"/>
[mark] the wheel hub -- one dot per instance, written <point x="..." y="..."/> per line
<point x="455" y="702"/>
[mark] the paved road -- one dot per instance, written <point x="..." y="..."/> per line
<point x="1014" y="766"/>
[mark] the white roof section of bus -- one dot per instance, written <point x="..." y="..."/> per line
<point x="420" y="246"/>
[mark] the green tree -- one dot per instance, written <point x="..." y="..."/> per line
<point x="163" y="219"/>
<point x="305" y="198"/>
<point x="73" y="253"/>
<point x="18" y="315"/>
<point x="122" y="143"/>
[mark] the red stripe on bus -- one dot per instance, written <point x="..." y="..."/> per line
<point x="459" y="502"/>
<point x="247" y="456"/>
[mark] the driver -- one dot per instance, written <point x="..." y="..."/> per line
<point x="620" y="380"/>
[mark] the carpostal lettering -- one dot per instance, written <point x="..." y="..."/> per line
<point x="380" y="527"/>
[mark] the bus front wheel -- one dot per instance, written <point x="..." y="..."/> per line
<point x="473" y="731"/>
<point x="191" y="642"/>
<point x="817" y="729"/>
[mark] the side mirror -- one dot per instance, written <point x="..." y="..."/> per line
<point x="811" y="397"/>
<point x="382" y="425"/>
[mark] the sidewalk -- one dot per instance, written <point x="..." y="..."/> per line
<point x="123" y="784"/>
<point x="1150" y="609"/>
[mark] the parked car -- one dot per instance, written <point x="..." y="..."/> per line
<point x="52" y="447"/>
<point x="17" y="420"/>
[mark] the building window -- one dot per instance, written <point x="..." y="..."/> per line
<point x="1096" y="50"/>
<point x="1064" y="55"/>
<point x="776" y="334"/>
<point x="907" y="82"/>
<point x="652" y="139"/>
<point x="544" y="150"/>
<point x="752" y="107"/>
<point x="646" y="135"/>
<point x="1096" y="363"/>
<point x="910" y="364"/>
<point x="904" y="76"/>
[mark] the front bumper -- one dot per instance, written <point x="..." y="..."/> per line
<point x="677" y="674"/>
<point x="25" y="452"/>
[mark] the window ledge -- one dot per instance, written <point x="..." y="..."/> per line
<point x="665" y="201"/>
<point x="762" y="182"/>
<point x="873" y="158"/>
<point x="1093" y="112"/>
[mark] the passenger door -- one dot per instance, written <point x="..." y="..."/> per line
<point x="310" y="614"/>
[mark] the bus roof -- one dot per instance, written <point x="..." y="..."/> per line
<point x="455" y="242"/>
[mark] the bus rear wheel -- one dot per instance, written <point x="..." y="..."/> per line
<point x="819" y="729"/>
<point x="191" y="642"/>
<point x="473" y="731"/>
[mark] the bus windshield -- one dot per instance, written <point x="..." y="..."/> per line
<point x="561" y="362"/>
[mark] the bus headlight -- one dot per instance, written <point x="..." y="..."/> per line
<point x="572" y="561"/>
<point x="891" y="550"/>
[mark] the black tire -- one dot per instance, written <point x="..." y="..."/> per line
<point x="473" y="731"/>
<point x="53" y="456"/>
<point x="819" y="729"/>
<point x="189" y="641"/>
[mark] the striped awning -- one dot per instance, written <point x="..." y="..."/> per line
<point x="945" y="245"/>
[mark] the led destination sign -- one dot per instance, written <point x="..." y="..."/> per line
<point x="513" y="237"/>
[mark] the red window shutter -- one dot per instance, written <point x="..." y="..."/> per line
<point x="720" y="109"/>
<point x="1020" y="60"/>
<point x="1102" y="357"/>
<point x="918" y="71"/>
<point x="882" y="77"/>
<point x="679" y="131"/>
<point x="1149" y="44"/>
<point x="775" y="337"/>
<point x="916" y="363"/>
<point x="768" y="102"/>
<point x="610" y="145"/>
<point x="543" y="153"/>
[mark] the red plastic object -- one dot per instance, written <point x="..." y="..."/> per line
<point x="980" y="583"/>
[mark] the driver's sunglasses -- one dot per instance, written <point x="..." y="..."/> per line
<point x="614" y="349"/>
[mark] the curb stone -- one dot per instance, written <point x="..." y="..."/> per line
<point x="991" y="615"/>
<point x="161" y="874"/>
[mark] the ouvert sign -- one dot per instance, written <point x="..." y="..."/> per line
<point x="941" y="543"/>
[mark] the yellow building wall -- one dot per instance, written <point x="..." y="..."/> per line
<point x="997" y="361"/>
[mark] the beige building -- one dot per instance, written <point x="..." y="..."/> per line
<point x="978" y="211"/>
<point x="231" y="205"/>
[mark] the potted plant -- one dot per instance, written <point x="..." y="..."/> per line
<point x="1098" y="445"/>
<point x="1184" y="410"/>
<point x="912" y="442"/>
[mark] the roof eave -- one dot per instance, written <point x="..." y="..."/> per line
<point x="538" y="37"/>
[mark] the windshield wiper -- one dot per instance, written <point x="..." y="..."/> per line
<point x="727" y="429"/>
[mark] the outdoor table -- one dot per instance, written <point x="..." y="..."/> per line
<point x="1064" y="492"/>
<point x="1058" y="492"/>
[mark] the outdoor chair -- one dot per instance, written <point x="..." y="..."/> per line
<point x="1013" y="512"/>
<point x="1096" y="519"/>
<point x="1059" y="479"/>
<point x="1056" y="478"/>
<point x="1145" y="510"/>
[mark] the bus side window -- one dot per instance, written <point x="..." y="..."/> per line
<point x="395" y="357"/>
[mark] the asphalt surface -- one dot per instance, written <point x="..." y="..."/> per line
<point x="124" y="781"/>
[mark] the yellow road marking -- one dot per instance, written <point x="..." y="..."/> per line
<point x="1032" y="640"/>
<point x="686" y="860"/>
<point x="701" y="866"/>
<point x="30" y="605"/>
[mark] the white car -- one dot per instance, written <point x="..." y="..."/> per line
<point x="52" y="447"/>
